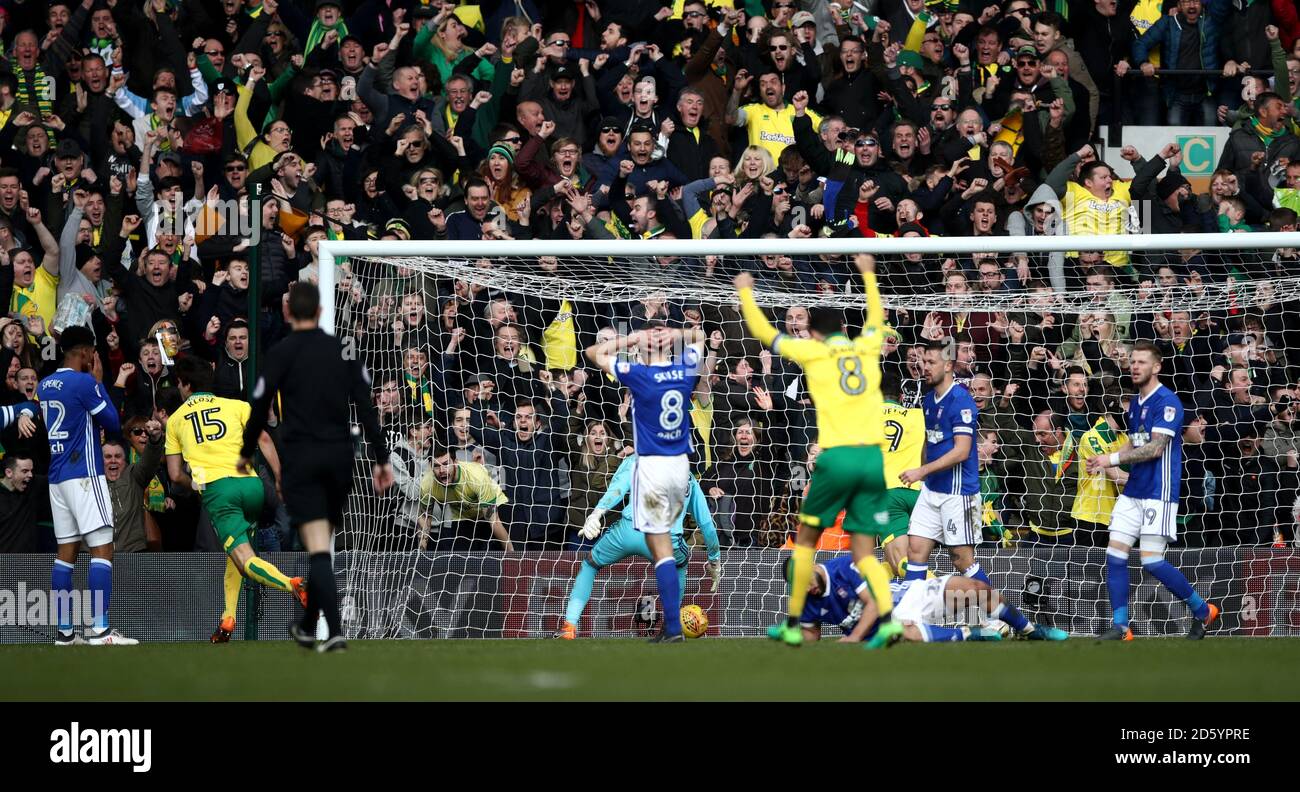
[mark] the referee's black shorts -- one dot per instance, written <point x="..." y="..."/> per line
<point x="316" y="479"/>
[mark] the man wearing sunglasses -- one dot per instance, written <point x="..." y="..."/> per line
<point x="844" y="178"/>
<point x="783" y="51"/>
<point x="602" y="162"/>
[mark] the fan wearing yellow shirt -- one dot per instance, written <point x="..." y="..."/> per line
<point x="843" y="376"/>
<point x="770" y="122"/>
<point x="1098" y="492"/>
<point x="206" y="433"/>
<point x="471" y="497"/>
<point x="36" y="286"/>
<point x="1096" y="203"/>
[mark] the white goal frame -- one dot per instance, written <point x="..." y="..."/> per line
<point x="333" y="250"/>
<point x="1261" y="245"/>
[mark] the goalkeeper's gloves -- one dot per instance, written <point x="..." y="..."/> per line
<point x="714" y="568"/>
<point x="593" y="526"/>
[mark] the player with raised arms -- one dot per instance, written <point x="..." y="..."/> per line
<point x="843" y="376"/>
<point x="1147" y="510"/>
<point x="75" y="409"/>
<point x="661" y="385"/>
<point x="206" y="433"/>
<point x="925" y="608"/>
<point x="624" y="541"/>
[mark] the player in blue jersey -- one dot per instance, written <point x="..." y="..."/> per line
<point x="75" y="409"/>
<point x="925" y="608"/>
<point x="623" y="541"/>
<point x="949" y="508"/>
<point x="661" y="384"/>
<point x="1147" y="510"/>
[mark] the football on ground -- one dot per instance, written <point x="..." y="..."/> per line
<point x="694" y="621"/>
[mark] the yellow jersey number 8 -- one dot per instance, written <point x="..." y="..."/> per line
<point x="853" y="380"/>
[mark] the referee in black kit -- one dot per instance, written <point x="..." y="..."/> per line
<point x="315" y="382"/>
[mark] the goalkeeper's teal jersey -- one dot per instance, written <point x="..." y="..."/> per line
<point x="696" y="504"/>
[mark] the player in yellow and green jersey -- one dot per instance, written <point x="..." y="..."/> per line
<point x="206" y="433"/>
<point x="843" y="376"/>
<point x="903" y="450"/>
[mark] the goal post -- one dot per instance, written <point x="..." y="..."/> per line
<point x="476" y="346"/>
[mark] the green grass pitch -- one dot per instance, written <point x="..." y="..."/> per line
<point x="707" y="669"/>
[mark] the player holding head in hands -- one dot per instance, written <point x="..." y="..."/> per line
<point x="205" y="434"/>
<point x="316" y="380"/>
<point x="843" y="376"/>
<point x="661" y="384"/>
<point x="1147" y="510"/>
<point x="75" y="409"/>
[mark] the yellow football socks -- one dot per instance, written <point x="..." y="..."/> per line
<point x="801" y="576"/>
<point x="231" y="581"/>
<point x="264" y="572"/>
<point x="873" y="572"/>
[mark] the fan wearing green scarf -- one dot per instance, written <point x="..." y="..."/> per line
<point x="328" y="19"/>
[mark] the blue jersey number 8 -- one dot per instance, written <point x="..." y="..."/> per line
<point x="670" y="411"/>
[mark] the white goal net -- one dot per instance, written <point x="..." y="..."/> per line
<point x="477" y="348"/>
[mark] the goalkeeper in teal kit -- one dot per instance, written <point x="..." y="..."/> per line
<point x="624" y="541"/>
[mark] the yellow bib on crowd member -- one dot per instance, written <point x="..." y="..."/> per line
<point x="1088" y="215"/>
<point x="1145" y="14"/>
<point x="1097" y="492"/>
<point x="702" y="423"/>
<point x="38" y="299"/>
<point x="1012" y="131"/>
<point x="467" y="496"/>
<point x="560" y="340"/>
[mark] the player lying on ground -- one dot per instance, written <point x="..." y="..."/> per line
<point x="75" y="409"/>
<point x="1147" y="511"/>
<point x="924" y="608"/>
<point x="843" y="376"/>
<point x="623" y="541"/>
<point x="205" y="433"/>
<point x="661" y="385"/>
